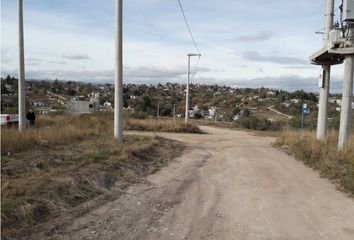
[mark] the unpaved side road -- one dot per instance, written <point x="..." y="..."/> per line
<point x="228" y="185"/>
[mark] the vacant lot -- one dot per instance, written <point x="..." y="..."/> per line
<point x="52" y="171"/>
<point x="61" y="130"/>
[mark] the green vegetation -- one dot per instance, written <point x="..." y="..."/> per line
<point x="323" y="156"/>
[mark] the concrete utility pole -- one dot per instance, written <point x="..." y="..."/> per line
<point x="21" y="71"/>
<point x="347" y="95"/>
<point x="326" y="75"/>
<point x="347" y="98"/>
<point x="118" y="93"/>
<point x="188" y="81"/>
<point x="339" y="49"/>
<point x="158" y="110"/>
<point x="174" y="111"/>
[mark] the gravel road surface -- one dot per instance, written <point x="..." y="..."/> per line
<point x="228" y="185"/>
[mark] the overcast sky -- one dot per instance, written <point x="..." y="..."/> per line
<point x="246" y="43"/>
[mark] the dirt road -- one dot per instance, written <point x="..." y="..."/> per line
<point x="271" y="108"/>
<point x="228" y="185"/>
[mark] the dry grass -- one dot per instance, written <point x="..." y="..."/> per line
<point x="323" y="156"/>
<point x="60" y="130"/>
<point x="161" y="126"/>
<point x="46" y="183"/>
<point x="66" y="161"/>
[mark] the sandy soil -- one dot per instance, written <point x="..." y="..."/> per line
<point x="228" y="185"/>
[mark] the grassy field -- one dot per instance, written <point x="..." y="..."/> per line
<point x="64" y="162"/>
<point x="162" y="125"/>
<point x="323" y="156"/>
<point x="62" y="129"/>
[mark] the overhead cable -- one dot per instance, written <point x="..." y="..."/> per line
<point x="187" y="24"/>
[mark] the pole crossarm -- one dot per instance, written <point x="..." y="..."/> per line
<point x="330" y="56"/>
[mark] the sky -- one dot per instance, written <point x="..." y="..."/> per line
<point x="244" y="43"/>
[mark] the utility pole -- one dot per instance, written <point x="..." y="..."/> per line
<point x="188" y="82"/>
<point x="21" y="71"/>
<point x="326" y="75"/>
<point x="158" y="109"/>
<point x="347" y="95"/>
<point x="339" y="49"/>
<point x="347" y="98"/>
<point x="174" y="111"/>
<point x="118" y="92"/>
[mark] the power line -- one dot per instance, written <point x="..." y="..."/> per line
<point x="146" y="18"/>
<point x="189" y="29"/>
<point x="195" y="69"/>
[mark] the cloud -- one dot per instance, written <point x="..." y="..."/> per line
<point x="140" y="74"/>
<point x="58" y="62"/>
<point x="4" y="55"/>
<point x="289" y="83"/>
<point x="259" y="36"/>
<point x="75" y="56"/>
<point x="158" y="72"/>
<point x="302" y="67"/>
<point x="33" y="61"/>
<point x="257" y="57"/>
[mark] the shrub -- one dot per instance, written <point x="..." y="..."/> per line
<point x="260" y="124"/>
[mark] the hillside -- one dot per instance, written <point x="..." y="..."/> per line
<point x="220" y="103"/>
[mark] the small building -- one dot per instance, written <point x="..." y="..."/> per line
<point x="285" y="104"/>
<point x="77" y="107"/>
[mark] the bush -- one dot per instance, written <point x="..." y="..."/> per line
<point x="260" y="124"/>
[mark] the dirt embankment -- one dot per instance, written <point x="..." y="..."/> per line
<point x="43" y="190"/>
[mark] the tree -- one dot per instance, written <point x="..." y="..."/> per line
<point x="246" y="112"/>
<point x="4" y="89"/>
<point x="236" y="111"/>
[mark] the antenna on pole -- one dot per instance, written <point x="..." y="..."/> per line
<point x="21" y="71"/>
<point x="118" y="92"/>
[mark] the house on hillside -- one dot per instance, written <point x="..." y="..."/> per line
<point x="78" y="107"/>
<point x="210" y="113"/>
<point x="106" y="107"/>
<point x="286" y="104"/>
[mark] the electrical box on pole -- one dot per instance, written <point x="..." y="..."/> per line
<point x="348" y="10"/>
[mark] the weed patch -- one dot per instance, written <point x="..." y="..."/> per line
<point x="323" y="156"/>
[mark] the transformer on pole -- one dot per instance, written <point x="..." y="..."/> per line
<point x="338" y="49"/>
